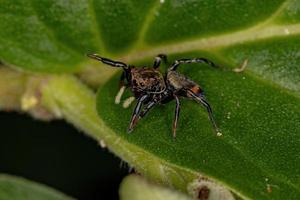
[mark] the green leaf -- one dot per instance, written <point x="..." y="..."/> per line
<point x="259" y="122"/>
<point x="12" y="187"/>
<point x="258" y="111"/>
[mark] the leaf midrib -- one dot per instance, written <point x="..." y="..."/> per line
<point x="216" y="42"/>
<point x="267" y="23"/>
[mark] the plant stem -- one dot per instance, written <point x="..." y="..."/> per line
<point x="12" y="86"/>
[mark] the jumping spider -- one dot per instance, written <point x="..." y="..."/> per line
<point x="150" y="87"/>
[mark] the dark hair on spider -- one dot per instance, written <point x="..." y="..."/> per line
<point x="150" y="87"/>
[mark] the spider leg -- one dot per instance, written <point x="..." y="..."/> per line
<point x="136" y="112"/>
<point x="108" y="61"/>
<point x="146" y="109"/>
<point x="177" y="111"/>
<point x="200" y="99"/>
<point x="188" y="61"/>
<point x="158" y="59"/>
<point x="121" y="90"/>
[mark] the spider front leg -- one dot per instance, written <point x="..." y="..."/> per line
<point x="136" y="112"/>
<point x="175" y="65"/>
<point x="200" y="99"/>
<point x="109" y="61"/>
<point x="157" y="60"/>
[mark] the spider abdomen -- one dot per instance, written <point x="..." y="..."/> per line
<point x="179" y="82"/>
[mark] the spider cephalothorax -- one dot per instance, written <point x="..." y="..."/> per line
<point x="150" y="87"/>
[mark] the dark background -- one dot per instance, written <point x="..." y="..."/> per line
<point x="56" y="154"/>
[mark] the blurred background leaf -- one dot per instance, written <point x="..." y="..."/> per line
<point x="12" y="187"/>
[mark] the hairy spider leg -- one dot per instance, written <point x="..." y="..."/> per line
<point x="148" y="107"/>
<point x="108" y="61"/>
<point x="193" y="60"/>
<point x="122" y="78"/>
<point x="145" y="110"/>
<point x="177" y="111"/>
<point x="136" y="112"/>
<point x="157" y="60"/>
<point x="151" y="104"/>
<point x="200" y="99"/>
